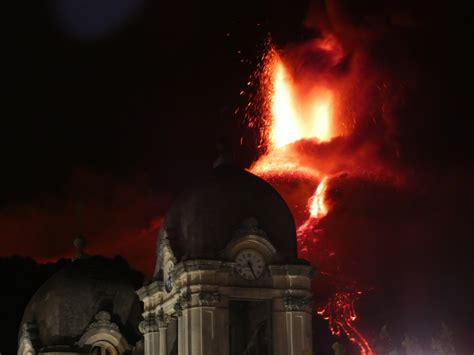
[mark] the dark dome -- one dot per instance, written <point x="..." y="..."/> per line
<point x="205" y="218"/>
<point x="66" y="304"/>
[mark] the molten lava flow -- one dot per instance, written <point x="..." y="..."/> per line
<point x="340" y="313"/>
<point x="298" y="113"/>
<point x="307" y="233"/>
<point x="318" y="208"/>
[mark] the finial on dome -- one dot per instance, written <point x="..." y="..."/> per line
<point x="80" y="244"/>
<point x="224" y="152"/>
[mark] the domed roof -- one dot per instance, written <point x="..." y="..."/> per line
<point x="65" y="305"/>
<point x="204" y="219"/>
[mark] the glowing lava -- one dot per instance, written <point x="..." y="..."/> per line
<point x="318" y="207"/>
<point x="340" y="313"/>
<point x="297" y="119"/>
<point x="307" y="233"/>
<point x="304" y="112"/>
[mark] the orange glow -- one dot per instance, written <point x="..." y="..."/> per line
<point x="297" y="108"/>
<point x="293" y="117"/>
<point x="284" y="126"/>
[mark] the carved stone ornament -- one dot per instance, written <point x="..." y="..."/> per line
<point x="298" y="304"/>
<point x="163" y="246"/>
<point x="162" y="319"/>
<point x="163" y="242"/>
<point x="149" y="324"/>
<point x="102" y="320"/>
<point x="209" y="299"/>
<point x="183" y="302"/>
<point x="80" y="244"/>
<point x="249" y="226"/>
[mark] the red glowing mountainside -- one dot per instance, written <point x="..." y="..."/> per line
<point x="308" y="149"/>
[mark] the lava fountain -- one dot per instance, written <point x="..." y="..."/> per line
<point x="295" y="113"/>
<point x="292" y="122"/>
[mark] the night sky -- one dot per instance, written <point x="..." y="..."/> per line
<point x="113" y="107"/>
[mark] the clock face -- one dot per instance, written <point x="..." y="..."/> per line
<point x="168" y="276"/>
<point x="250" y="264"/>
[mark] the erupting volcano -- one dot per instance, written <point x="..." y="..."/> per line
<point x="301" y="111"/>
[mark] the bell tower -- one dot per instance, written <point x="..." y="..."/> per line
<point x="227" y="279"/>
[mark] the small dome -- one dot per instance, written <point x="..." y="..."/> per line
<point x="66" y="304"/>
<point x="204" y="219"/>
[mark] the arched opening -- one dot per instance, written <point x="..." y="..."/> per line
<point x="103" y="348"/>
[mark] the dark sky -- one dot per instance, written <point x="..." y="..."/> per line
<point x="112" y="107"/>
<point x="137" y="104"/>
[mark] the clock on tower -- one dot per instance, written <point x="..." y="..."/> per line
<point x="227" y="277"/>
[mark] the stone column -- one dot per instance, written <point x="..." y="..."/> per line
<point x="150" y="330"/>
<point x="163" y="327"/>
<point x="292" y="326"/>
<point x="182" y="303"/>
<point x="203" y="327"/>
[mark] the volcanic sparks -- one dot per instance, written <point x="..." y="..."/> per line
<point x="304" y="112"/>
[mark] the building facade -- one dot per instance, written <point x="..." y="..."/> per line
<point x="227" y="278"/>
<point x="227" y="281"/>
